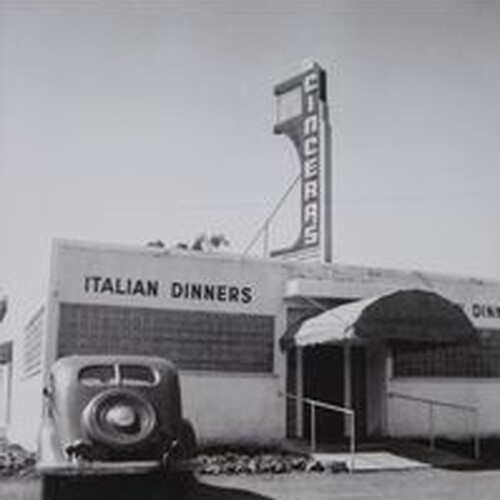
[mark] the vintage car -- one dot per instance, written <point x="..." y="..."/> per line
<point x="112" y="415"/>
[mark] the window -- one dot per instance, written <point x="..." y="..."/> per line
<point x="192" y="340"/>
<point x="137" y="375"/>
<point x="97" y="375"/>
<point x="32" y="344"/>
<point x="472" y="360"/>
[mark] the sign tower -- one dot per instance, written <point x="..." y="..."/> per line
<point x="303" y="117"/>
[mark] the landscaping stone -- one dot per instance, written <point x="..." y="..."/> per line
<point x="14" y="460"/>
<point x="220" y="462"/>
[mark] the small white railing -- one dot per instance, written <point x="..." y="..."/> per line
<point x="314" y="406"/>
<point x="432" y="404"/>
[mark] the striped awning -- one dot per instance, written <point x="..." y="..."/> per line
<point x="405" y="315"/>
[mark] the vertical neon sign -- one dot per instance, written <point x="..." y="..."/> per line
<point x="304" y="120"/>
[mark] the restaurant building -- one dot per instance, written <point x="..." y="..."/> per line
<point x="250" y="336"/>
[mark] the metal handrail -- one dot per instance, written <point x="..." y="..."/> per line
<point x="444" y="404"/>
<point x="313" y="403"/>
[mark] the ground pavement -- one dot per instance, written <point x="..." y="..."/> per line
<point x="415" y="484"/>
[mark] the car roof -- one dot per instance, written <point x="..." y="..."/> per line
<point x="76" y="362"/>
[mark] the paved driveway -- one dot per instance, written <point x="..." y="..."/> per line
<point x="427" y="484"/>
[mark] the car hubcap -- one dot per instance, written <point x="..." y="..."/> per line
<point x="121" y="417"/>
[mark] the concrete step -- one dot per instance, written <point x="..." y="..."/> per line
<point x="438" y="456"/>
<point x="369" y="461"/>
<point x="384" y="455"/>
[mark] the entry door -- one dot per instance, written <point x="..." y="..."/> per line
<point x="323" y="372"/>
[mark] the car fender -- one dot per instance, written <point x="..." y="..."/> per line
<point x="187" y="440"/>
<point x="49" y="448"/>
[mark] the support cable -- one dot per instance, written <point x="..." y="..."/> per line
<point x="266" y="223"/>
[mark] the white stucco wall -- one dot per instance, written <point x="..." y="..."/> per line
<point x="4" y="395"/>
<point x="234" y="409"/>
<point x="26" y="412"/>
<point x="408" y="418"/>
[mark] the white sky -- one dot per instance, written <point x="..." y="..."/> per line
<point x="126" y="122"/>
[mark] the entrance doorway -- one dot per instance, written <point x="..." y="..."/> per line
<point x="356" y="338"/>
<point x="324" y="380"/>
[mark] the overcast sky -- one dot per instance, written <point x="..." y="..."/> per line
<point x="126" y="122"/>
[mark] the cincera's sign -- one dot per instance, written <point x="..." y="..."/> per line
<point x="308" y="129"/>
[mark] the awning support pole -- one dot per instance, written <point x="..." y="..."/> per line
<point x="299" y="391"/>
<point x="313" y="427"/>
<point x="347" y="384"/>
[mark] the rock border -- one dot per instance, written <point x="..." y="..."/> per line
<point x="235" y="462"/>
<point x="15" y="460"/>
